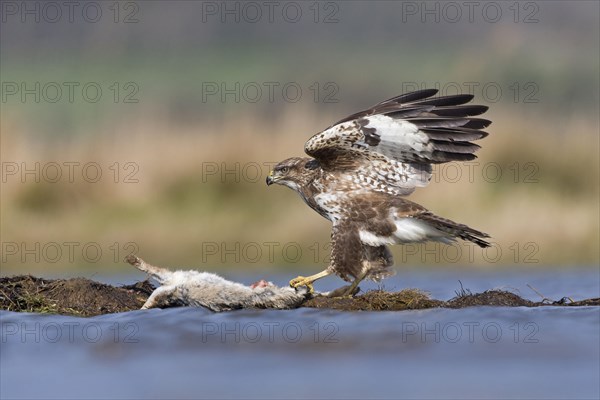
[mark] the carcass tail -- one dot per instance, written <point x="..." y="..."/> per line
<point x="160" y="274"/>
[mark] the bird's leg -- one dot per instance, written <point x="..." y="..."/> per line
<point x="308" y="280"/>
<point x="351" y="289"/>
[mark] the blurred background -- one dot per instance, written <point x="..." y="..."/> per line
<point x="150" y="127"/>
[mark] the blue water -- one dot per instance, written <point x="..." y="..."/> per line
<point x="483" y="352"/>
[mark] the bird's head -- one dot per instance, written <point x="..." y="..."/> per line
<point x="295" y="172"/>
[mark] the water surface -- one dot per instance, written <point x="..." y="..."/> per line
<point x="483" y="352"/>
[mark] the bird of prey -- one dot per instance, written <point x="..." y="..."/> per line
<point x="361" y="168"/>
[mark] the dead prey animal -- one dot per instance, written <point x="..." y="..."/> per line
<point x="204" y="289"/>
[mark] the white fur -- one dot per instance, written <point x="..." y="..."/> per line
<point x="203" y="289"/>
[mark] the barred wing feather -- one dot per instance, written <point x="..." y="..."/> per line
<point x="396" y="141"/>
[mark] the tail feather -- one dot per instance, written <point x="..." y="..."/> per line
<point x="455" y="229"/>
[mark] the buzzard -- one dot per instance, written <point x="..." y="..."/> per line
<point x="361" y="167"/>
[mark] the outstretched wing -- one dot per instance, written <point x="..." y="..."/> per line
<point x="395" y="142"/>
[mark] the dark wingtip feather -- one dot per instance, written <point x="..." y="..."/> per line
<point x="438" y="122"/>
<point x="449" y="116"/>
<point x="393" y="104"/>
<point x="455" y="147"/>
<point x="460" y="111"/>
<point x="454" y="134"/>
<point x="477" y="123"/>
<point x="452" y="100"/>
<point x="438" y="156"/>
<point x="409" y="97"/>
<point x="406" y="112"/>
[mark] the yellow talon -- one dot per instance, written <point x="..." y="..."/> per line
<point x="308" y="281"/>
<point x="303" y="281"/>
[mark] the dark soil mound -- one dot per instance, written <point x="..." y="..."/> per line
<point x="85" y="298"/>
<point x="78" y="296"/>
<point x="490" y="298"/>
<point x="378" y="300"/>
<point x="581" y="303"/>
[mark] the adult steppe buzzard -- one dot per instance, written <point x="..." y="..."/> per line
<point x="363" y="165"/>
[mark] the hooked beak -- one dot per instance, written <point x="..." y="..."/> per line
<point x="270" y="179"/>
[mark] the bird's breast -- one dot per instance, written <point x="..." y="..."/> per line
<point x="328" y="194"/>
<point x="331" y="204"/>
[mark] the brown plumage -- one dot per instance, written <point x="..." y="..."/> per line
<point x="363" y="165"/>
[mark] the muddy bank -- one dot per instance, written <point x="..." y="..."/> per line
<point x="413" y="299"/>
<point x="77" y="296"/>
<point x="86" y="298"/>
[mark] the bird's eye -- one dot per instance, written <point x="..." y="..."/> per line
<point x="284" y="170"/>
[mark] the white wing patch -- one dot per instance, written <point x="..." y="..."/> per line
<point x="399" y="139"/>
<point x="392" y="145"/>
